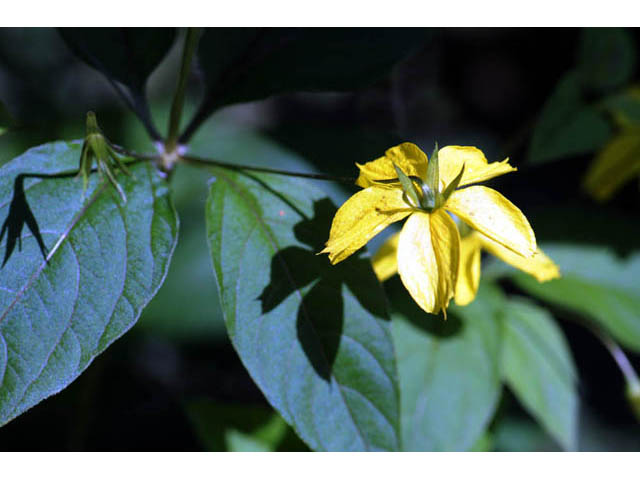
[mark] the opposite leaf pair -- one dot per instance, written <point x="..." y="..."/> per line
<point x="434" y="263"/>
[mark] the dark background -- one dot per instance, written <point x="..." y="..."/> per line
<point x="482" y="87"/>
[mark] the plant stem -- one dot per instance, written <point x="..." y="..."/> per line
<point x="190" y="44"/>
<point x="232" y="166"/>
<point x="209" y="162"/>
<point x="620" y="358"/>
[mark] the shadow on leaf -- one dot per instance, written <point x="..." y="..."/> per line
<point x="20" y="214"/>
<point x="300" y="271"/>
<point x="434" y="325"/>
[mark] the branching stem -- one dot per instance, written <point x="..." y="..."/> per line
<point x="231" y="166"/>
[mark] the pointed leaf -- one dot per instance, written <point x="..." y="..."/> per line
<point x="105" y="262"/>
<point x="127" y="55"/>
<point x="567" y="126"/>
<point x="449" y="372"/>
<point x="246" y="64"/>
<point x="537" y="365"/>
<point x="314" y="337"/>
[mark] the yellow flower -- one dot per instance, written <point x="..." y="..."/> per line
<point x="539" y="265"/>
<point x="403" y="184"/>
<point x="615" y="165"/>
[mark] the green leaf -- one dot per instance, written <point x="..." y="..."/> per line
<point x="127" y="55"/>
<point x="105" y="262"/>
<point x="567" y="125"/>
<point x="241" y="428"/>
<point x="537" y="365"/>
<point x="594" y="283"/>
<point x="246" y="64"/>
<point x="449" y="371"/>
<point x="521" y="434"/>
<point x="606" y="57"/>
<point x="625" y="107"/>
<point x="314" y="337"/>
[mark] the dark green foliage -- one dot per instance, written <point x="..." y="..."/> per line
<point x="127" y="55"/>
<point x="245" y="64"/>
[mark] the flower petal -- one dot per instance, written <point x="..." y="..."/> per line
<point x="428" y="256"/>
<point x="361" y="217"/>
<point x="492" y="214"/>
<point x="469" y="270"/>
<point x="407" y="156"/>
<point x="539" y="265"/>
<point x="385" y="261"/>
<point x="476" y="167"/>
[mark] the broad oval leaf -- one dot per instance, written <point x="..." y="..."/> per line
<point x="596" y="284"/>
<point x="567" y="125"/>
<point x="246" y="64"/>
<point x="127" y="55"/>
<point x="105" y="261"/>
<point x="449" y="372"/>
<point x="314" y="337"/>
<point x="537" y="365"/>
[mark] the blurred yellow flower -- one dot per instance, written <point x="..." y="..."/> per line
<point x="404" y="183"/>
<point x="615" y="165"/>
<point x="540" y="266"/>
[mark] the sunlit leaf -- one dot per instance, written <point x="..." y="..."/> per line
<point x="449" y="371"/>
<point x="105" y="261"/>
<point x="597" y="284"/>
<point x="567" y="125"/>
<point x="537" y="365"/>
<point x="314" y="337"/>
